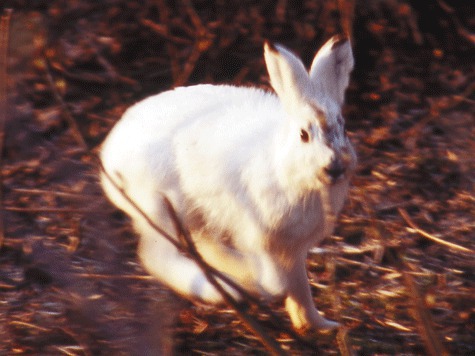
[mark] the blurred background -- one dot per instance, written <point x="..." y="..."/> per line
<point x="399" y="270"/>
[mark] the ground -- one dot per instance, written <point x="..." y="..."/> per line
<point x="70" y="281"/>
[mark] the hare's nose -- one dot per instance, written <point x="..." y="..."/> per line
<point x="335" y="170"/>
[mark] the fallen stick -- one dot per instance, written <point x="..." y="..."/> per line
<point x="418" y="308"/>
<point x="73" y="126"/>
<point x="421" y="232"/>
<point x="421" y="314"/>
<point x="45" y="210"/>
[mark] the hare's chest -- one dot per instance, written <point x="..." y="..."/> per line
<point x="302" y="226"/>
<point x="312" y="219"/>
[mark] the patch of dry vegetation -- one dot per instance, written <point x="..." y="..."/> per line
<point x="70" y="283"/>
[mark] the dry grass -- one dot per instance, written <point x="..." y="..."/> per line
<point x="69" y="278"/>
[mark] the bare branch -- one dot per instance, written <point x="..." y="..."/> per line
<point x="463" y="32"/>
<point x="73" y="126"/>
<point x="419" y="311"/>
<point x="423" y="319"/>
<point x="421" y="232"/>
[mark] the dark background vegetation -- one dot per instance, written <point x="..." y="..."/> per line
<point x="70" y="282"/>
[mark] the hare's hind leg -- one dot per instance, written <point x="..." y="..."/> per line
<point x="162" y="260"/>
<point x="231" y="262"/>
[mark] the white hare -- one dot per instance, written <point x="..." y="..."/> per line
<point x="256" y="177"/>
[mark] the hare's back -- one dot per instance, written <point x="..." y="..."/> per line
<point x="201" y="120"/>
<point x="165" y="114"/>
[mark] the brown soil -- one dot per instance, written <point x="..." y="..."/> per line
<point x="70" y="281"/>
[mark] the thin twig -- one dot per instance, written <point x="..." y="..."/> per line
<point x="111" y="276"/>
<point x="203" y="40"/>
<point x="35" y="191"/>
<point x="423" y="319"/>
<point x="346" y="261"/>
<point x="66" y="350"/>
<point x="463" y="32"/>
<point x="418" y="309"/>
<point x="164" y="14"/>
<point x="73" y="126"/>
<point x="189" y="66"/>
<point x="4" y="39"/>
<point x="421" y="232"/>
<point x="330" y="221"/>
<point x="45" y="210"/>
<point x="28" y="325"/>
<point x="162" y="31"/>
<point x="194" y="17"/>
<point x="80" y="339"/>
<point x="343" y="343"/>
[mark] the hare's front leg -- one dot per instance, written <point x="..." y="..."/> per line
<point x="299" y="303"/>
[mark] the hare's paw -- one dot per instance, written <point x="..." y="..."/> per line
<point x="325" y="328"/>
<point x="307" y="319"/>
<point x="326" y="325"/>
<point x="317" y="335"/>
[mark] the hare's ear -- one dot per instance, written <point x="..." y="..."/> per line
<point x="331" y="67"/>
<point x="288" y="76"/>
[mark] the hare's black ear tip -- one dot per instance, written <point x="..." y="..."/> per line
<point x="339" y="40"/>
<point x="270" y="46"/>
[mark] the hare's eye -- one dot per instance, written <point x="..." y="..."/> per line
<point x="304" y="136"/>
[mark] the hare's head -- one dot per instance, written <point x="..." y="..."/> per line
<point x="315" y="148"/>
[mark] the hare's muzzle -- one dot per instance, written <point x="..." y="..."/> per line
<point x="334" y="171"/>
<point x="340" y="167"/>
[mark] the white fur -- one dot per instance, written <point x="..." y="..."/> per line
<point x="231" y="161"/>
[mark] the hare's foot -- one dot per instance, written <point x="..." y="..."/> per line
<point x="308" y="318"/>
